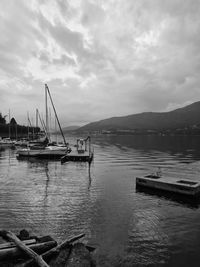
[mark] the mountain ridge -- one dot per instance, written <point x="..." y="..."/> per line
<point x="70" y="128"/>
<point x="178" y="118"/>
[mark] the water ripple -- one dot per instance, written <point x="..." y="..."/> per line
<point x="129" y="227"/>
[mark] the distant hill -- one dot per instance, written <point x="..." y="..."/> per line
<point x="179" y="118"/>
<point x="70" y="128"/>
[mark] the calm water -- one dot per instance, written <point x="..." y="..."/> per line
<point x="129" y="228"/>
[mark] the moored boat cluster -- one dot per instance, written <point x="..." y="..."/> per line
<point x="43" y="147"/>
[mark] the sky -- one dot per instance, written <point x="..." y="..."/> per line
<point x="99" y="58"/>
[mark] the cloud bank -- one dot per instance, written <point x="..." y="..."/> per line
<point x="99" y="58"/>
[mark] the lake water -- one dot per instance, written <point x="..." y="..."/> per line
<point x="128" y="227"/>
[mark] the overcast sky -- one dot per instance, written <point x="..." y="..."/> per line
<point x="100" y="58"/>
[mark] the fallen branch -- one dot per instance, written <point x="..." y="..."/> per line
<point x="14" y="252"/>
<point x="54" y="251"/>
<point x="12" y="237"/>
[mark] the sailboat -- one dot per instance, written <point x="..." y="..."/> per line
<point x="24" y="142"/>
<point x="49" y="151"/>
<point x="7" y="141"/>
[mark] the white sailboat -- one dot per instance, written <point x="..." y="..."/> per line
<point x="7" y="141"/>
<point x="49" y="151"/>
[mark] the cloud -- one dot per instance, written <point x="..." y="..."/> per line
<point x="100" y="58"/>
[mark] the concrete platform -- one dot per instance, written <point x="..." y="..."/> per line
<point x="179" y="186"/>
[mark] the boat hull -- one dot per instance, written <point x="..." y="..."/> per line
<point x="42" y="153"/>
<point x="6" y="142"/>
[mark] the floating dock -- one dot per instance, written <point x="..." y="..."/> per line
<point x="75" y="156"/>
<point x="179" y="186"/>
<point x="83" y="152"/>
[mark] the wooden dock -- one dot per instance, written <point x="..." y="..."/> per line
<point x="83" y="152"/>
<point x="75" y="156"/>
<point x="179" y="186"/>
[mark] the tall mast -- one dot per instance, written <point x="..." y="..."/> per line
<point x="36" y="118"/>
<point x="36" y="122"/>
<point x="42" y="123"/>
<point x="28" y="124"/>
<point x="9" y="124"/>
<point x="33" y="128"/>
<point x="46" y="105"/>
<point x="47" y="89"/>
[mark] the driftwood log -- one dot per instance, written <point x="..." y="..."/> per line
<point x="15" y="253"/>
<point x="64" y="254"/>
<point x="12" y="237"/>
<point x="50" y="256"/>
<point x="12" y="244"/>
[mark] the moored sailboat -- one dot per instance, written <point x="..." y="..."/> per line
<point x="6" y="142"/>
<point x="49" y="150"/>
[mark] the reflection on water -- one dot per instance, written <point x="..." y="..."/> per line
<point x="128" y="227"/>
<point x="89" y="176"/>
<point x="47" y="181"/>
<point x="191" y="202"/>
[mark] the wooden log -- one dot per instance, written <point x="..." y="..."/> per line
<point x="13" y="253"/>
<point x="54" y="251"/>
<point x="57" y="249"/>
<point x="69" y="241"/>
<point x="38" y="259"/>
<point x="11" y="244"/>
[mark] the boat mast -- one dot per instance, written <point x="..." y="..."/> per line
<point x="9" y="124"/>
<point x="36" y="122"/>
<point x="36" y="118"/>
<point x="47" y="115"/>
<point x="47" y="89"/>
<point x="31" y="127"/>
<point x="42" y="123"/>
<point x="28" y="123"/>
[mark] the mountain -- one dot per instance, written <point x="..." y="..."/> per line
<point x="187" y="116"/>
<point x="70" y="128"/>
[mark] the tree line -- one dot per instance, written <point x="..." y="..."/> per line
<point x="14" y="130"/>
